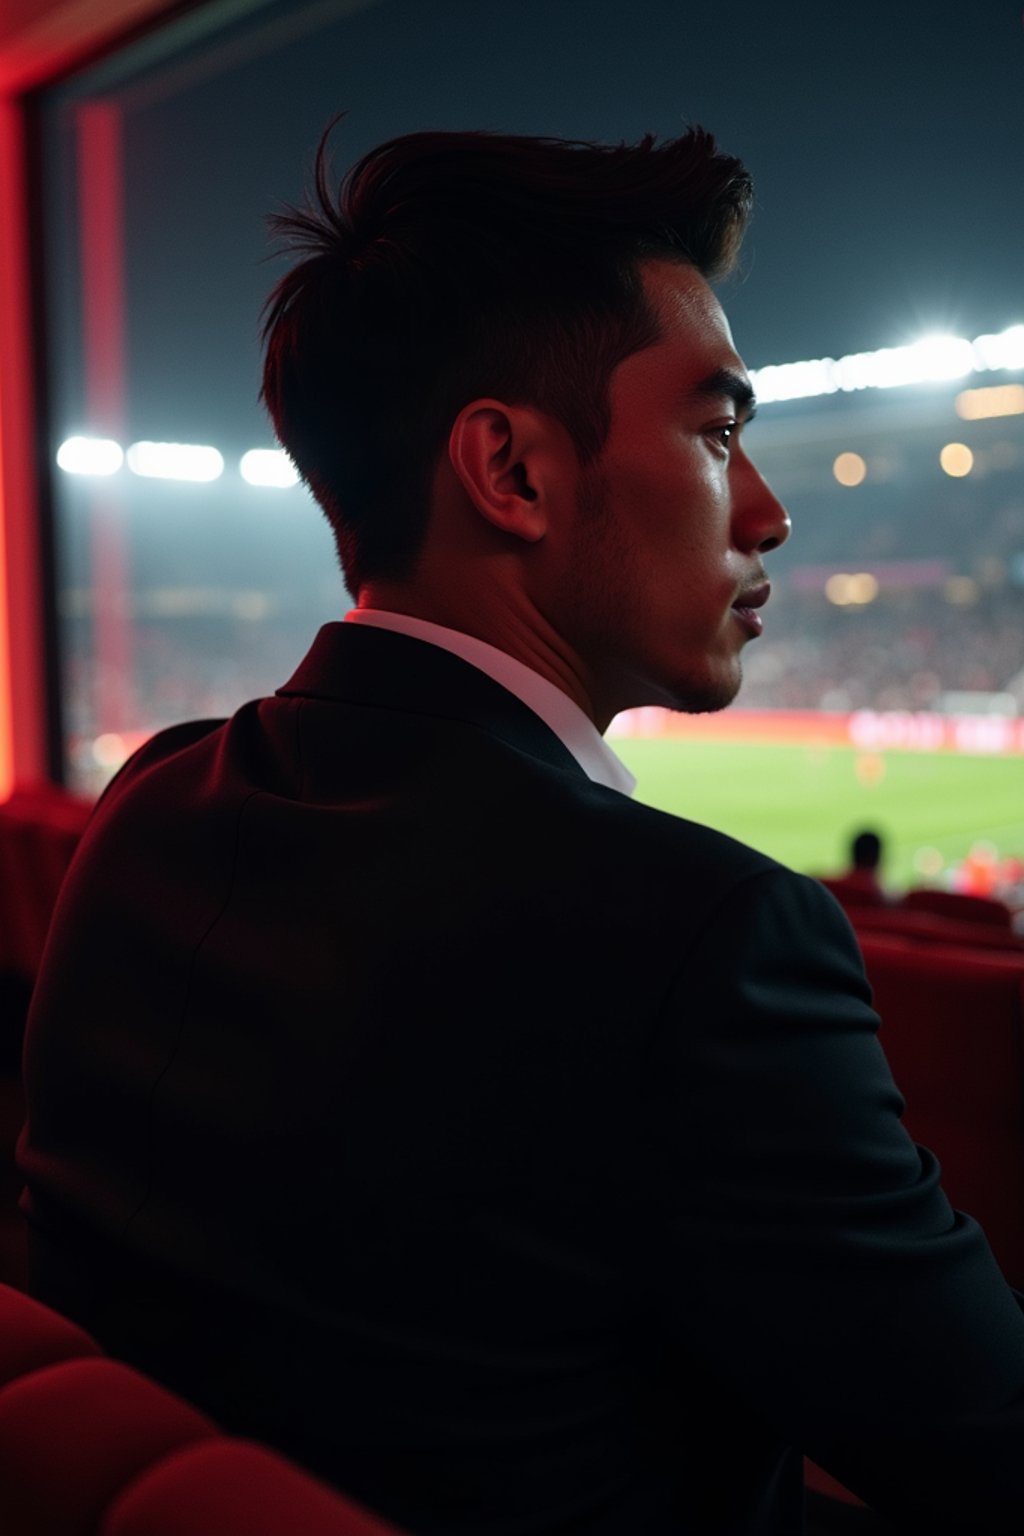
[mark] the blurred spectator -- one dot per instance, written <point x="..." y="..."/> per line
<point x="861" y="883"/>
<point x="903" y="651"/>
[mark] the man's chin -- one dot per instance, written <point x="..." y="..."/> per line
<point x="706" y="697"/>
<point x="686" y="696"/>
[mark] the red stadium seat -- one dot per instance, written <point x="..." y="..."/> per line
<point x="73" y="1435"/>
<point x="959" y="905"/>
<point x="851" y="892"/>
<point x="33" y="1336"/>
<point x="39" y="831"/>
<point x="90" y="1447"/>
<point x="953" y="1031"/>
<point x="222" y="1487"/>
<point x="930" y="928"/>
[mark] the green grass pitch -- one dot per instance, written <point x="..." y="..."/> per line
<point x="802" y="804"/>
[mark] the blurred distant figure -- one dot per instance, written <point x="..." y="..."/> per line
<point x="978" y="874"/>
<point x="861" y="883"/>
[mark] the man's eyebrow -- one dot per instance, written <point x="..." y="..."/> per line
<point x="734" y="386"/>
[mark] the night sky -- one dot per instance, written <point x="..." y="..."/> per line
<point x="884" y="141"/>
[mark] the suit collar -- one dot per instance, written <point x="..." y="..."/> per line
<point x="357" y="664"/>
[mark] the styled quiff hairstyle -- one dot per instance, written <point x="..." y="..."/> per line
<point x="455" y="266"/>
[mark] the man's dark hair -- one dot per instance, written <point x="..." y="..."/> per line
<point x="867" y="850"/>
<point x="453" y="266"/>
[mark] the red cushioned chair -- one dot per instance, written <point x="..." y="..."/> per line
<point x="90" y="1447"/>
<point x="33" y="1336"/>
<point x="931" y="928"/>
<point x="40" y="829"/>
<point x="852" y="893"/>
<point x="959" y="905"/>
<point x="953" y="1032"/>
<point x="74" y="1435"/>
<point x="229" y="1487"/>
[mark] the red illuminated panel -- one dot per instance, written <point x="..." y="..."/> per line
<point x="101" y="224"/>
<point x="6" y="727"/>
<point x="39" y="41"/>
<point x="20" y="630"/>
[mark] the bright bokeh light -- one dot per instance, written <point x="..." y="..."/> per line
<point x="851" y="590"/>
<point x="996" y="400"/>
<point x="109" y="750"/>
<point x="957" y="460"/>
<point x="175" y="461"/>
<point x="90" y="456"/>
<point x="849" y="469"/>
<point x="268" y="466"/>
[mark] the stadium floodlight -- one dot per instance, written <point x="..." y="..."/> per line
<point x="1002" y="350"/>
<point x="933" y="359"/>
<point x="175" y="461"/>
<point x="794" y="381"/>
<point x="268" y="466"/>
<point x="90" y="456"/>
<point x="937" y="358"/>
<point x="927" y="361"/>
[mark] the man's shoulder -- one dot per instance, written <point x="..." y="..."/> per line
<point x="593" y="835"/>
<point x="591" y="829"/>
<point x="159" y="750"/>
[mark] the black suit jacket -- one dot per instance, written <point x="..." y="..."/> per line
<point x="518" y="1157"/>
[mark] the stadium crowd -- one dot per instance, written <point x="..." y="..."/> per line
<point x="903" y="651"/>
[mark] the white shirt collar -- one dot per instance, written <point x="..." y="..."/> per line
<point x="574" y="729"/>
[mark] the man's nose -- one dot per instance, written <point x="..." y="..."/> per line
<point x="766" y="522"/>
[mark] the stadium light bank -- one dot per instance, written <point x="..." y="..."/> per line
<point x="931" y="360"/>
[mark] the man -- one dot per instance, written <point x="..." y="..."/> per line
<point x="520" y="1158"/>
<point x="861" y="884"/>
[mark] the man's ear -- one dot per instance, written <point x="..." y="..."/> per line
<point x="500" y="454"/>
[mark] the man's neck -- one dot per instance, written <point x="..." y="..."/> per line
<point x="574" y="728"/>
<point x="510" y="626"/>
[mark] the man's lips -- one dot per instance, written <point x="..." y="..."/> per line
<point x="748" y="602"/>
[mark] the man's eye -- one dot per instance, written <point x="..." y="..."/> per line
<point x="724" y="434"/>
